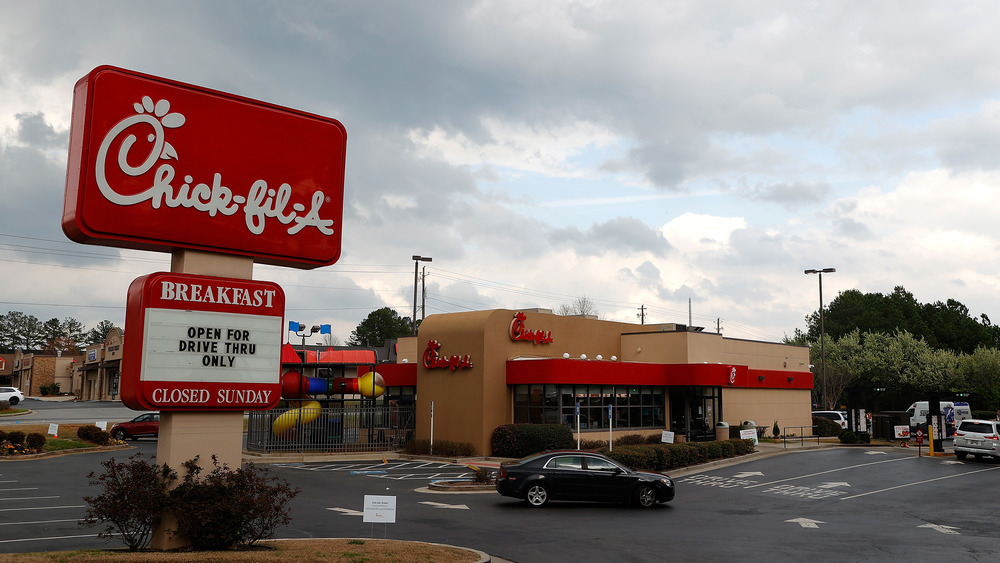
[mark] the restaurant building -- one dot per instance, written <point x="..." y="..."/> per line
<point x="478" y="370"/>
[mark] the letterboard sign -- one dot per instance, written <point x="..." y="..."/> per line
<point x="202" y="343"/>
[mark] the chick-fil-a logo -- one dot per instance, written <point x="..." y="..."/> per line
<point x="433" y="360"/>
<point x="259" y="204"/>
<point x="518" y="332"/>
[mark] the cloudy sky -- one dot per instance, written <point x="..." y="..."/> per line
<point x="635" y="153"/>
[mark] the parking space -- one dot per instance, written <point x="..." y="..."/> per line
<point x="395" y="470"/>
<point x="33" y="518"/>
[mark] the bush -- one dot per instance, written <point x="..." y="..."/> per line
<point x="229" y="508"/>
<point x="593" y="444"/>
<point x="864" y="437"/>
<point x="132" y="500"/>
<point x="15" y="438"/>
<point x="847" y="437"/>
<point x="775" y="431"/>
<point x="35" y="441"/>
<point x="630" y="440"/>
<point x="44" y="389"/>
<point x="826" y="427"/>
<point x="94" y="435"/>
<point x="3" y="436"/>
<point x="444" y="448"/>
<point x="220" y="510"/>
<point x="4" y="405"/>
<point x="655" y="457"/>
<point x="520" y="440"/>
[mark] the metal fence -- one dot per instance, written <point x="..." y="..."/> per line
<point x="347" y="429"/>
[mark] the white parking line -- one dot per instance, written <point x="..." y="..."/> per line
<point x="829" y="471"/>
<point x="21" y="489"/>
<point x="38" y="522"/>
<point x="920" y="482"/>
<point x="26" y="498"/>
<point x="42" y="508"/>
<point x="50" y="538"/>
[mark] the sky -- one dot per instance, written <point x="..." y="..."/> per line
<point x="689" y="158"/>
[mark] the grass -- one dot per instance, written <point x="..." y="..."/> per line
<point x="68" y="441"/>
<point x="331" y="550"/>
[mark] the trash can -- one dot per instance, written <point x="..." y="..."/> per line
<point x="749" y="425"/>
<point x="721" y="430"/>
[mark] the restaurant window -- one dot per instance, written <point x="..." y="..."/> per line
<point x="632" y="406"/>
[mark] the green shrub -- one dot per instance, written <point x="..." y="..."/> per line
<point x="35" y="441"/>
<point x="826" y="427"/>
<point x="44" y="390"/>
<point x="775" y="431"/>
<point x="727" y="447"/>
<point x="132" y="500"/>
<point x="444" y="448"/>
<point x="637" y="457"/>
<point x="593" y="444"/>
<point x="520" y="440"/>
<point x="848" y="437"/>
<point x="15" y="438"/>
<point x="630" y="440"/>
<point x="93" y="434"/>
<point x="864" y="437"/>
<point x="3" y="436"/>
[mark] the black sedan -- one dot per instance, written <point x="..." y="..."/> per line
<point x="578" y="475"/>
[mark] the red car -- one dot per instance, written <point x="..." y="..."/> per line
<point x="147" y="424"/>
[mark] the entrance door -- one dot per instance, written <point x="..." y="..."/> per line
<point x="694" y="411"/>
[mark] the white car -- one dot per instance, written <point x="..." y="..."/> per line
<point x="835" y="416"/>
<point x="11" y="394"/>
<point x="980" y="438"/>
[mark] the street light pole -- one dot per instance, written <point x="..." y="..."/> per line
<point x="822" y="330"/>
<point x="416" y="270"/>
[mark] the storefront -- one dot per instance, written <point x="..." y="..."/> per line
<point x="483" y="369"/>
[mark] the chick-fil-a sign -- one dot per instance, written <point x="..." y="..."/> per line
<point x="434" y="360"/>
<point x="518" y="332"/>
<point x="156" y="164"/>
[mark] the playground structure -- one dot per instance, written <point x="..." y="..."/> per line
<point x="298" y="388"/>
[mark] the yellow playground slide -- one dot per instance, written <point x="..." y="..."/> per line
<point x="289" y="420"/>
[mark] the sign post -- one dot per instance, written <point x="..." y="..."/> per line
<point x="221" y="182"/>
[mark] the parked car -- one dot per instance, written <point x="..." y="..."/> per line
<point x="582" y="476"/>
<point x="147" y="424"/>
<point x="11" y="394"/>
<point x="835" y="416"/>
<point x="980" y="438"/>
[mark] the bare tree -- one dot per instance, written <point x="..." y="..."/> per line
<point x="580" y="306"/>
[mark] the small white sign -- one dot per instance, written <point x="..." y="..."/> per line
<point x="667" y="437"/>
<point x="102" y="424"/>
<point x="54" y="429"/>
<point x="380" y="508"/>
<point x="901" y="432"/>
<point x="750" y="434"/>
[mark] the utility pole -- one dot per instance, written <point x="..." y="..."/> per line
<point x="423" y="293"/>
<point x="718" y="325"/>
<point x="642" y="314"/>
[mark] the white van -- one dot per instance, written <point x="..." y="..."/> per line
<point x="953" y="413"/>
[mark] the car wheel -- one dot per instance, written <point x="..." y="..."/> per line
<point x="14" y="401"/>
<point x="645" y="496"/>
<point x="121" y="435"/>
<point x="537" y="495"/>
<point x="961" y="455"/>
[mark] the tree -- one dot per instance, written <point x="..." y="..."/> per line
<point x="330" y="340"/>
<point x="73" y="329"/>
<point x="61" y="345"/>
<point x="100" y="332"/>
<point x="580" y="306"/>
<point x="380" y="325"/>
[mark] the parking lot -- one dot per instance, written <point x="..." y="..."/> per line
<point x="863" y="503"/>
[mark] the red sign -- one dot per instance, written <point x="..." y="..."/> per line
<point x="518" y="332"/>
<point x="433" y="360"/>
<point x="202" y="343"/>
<point x="156" y="164"/>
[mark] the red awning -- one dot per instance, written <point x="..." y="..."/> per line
<point x="289" y="356"/>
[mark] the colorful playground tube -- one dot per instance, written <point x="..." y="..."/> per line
<point x="295" y="386"/>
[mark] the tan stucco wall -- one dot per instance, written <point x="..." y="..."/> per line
<point x="764" y="355"/>
<point x="786" y="407"/>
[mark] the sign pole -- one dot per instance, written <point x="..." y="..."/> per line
<point x="578" y="425"/>
<point x="432" y="428"/>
